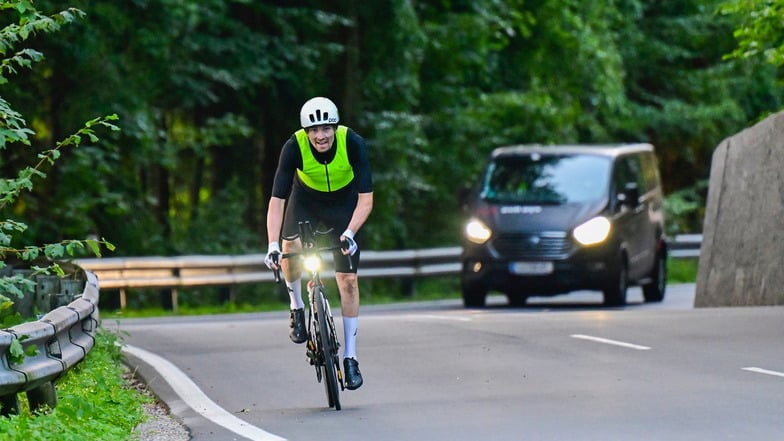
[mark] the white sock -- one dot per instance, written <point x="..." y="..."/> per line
<point x="350" y="337"/>
<point x="295" y="293"/>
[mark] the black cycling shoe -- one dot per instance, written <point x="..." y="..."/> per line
<point x="353" y="376"/>
<point x="298" y="332"/>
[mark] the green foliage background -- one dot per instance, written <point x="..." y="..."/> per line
<point x="207" y="92"/>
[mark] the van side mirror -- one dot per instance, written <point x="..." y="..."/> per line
<point x="630" y="196"/>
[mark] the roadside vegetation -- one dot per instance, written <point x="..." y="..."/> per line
<point x="96" y="401"/>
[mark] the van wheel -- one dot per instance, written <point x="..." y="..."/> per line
<point x="653" y="291"/>
<point x="474" y="295"/>
<point x="615" y="291"/>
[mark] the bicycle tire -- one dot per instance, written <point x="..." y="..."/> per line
<point x="330" y="352"/>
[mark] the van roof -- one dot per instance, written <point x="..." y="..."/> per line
<point x="593" y="149"/>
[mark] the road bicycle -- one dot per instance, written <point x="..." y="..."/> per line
<point x="322" y="342"/>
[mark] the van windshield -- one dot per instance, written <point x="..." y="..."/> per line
<point x="546" y="179"/>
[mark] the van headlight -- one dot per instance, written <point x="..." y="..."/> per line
<point x="477" y="232"/>
<point x="594" y="231"/>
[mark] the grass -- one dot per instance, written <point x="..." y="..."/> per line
<point x="95" y="401"/>
<point x="682" y="270"/>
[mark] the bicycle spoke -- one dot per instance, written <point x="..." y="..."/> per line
<point x="327" y="342"/>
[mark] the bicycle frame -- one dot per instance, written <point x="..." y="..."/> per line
<point x="322" y="344"/>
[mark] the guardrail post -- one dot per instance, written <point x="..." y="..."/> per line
<point x="46" y="287"/>
<point x="69" y="290"/>
<point x="43" y="396"/>
<point x="23" y="305"/>
<point x="169" y="298"/>
<point x="41" y="368"/>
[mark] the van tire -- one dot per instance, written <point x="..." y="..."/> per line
<point x="474" y="295"/>
<point x="615" y="291"/>
<point x="653" y="291"/>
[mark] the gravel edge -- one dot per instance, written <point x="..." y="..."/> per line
<point x="159" y="424"/>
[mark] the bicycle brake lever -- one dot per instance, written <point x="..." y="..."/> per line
<point x="276" y="273"/>
<point x="344" y="245"/>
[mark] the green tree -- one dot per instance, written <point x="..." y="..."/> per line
<point x="760" y="31"/>
<point x="684" y="97"/>
<point x="209" y="91"/>
<point x="14" y="133"/>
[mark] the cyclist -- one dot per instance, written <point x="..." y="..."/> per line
<point x="325" y="173"/>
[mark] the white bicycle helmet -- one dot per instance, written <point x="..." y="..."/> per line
<point x="318" y="111"/>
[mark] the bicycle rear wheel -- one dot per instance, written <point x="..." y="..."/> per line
<point x="330" y="351"/>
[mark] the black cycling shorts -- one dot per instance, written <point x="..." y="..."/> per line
<point x="323" y="214"/>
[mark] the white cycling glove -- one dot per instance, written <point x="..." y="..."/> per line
<point x="272" y="249"/>
<point x="348" y="235"/>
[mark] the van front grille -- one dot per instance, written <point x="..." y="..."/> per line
<point x="522" y="246"/>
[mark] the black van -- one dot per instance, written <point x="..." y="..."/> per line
<point x="548" y="220"/>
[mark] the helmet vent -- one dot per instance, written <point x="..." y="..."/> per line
<point x="319" y="117"/>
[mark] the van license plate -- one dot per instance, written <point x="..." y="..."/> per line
<point x="531" y="268"/>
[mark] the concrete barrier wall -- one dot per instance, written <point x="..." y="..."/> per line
<point x="743" y="233"/>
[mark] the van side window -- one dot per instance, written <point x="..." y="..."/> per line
<point x="621" y="175"/>
<point x="635" y="164"/>
<point x="630" y="169"/>
<point x="650" y="171"/>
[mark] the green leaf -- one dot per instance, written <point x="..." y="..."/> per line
<point x="94" y="247"/>
<point x="72" y="245"/>
<point x="54" y="251"/>
<point x="31" y="351"/>
<point x="30" y="253"/>
<point x="16" y="352"/>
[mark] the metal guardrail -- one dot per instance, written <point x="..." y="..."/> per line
<point x="191" y="271"/>
<point x="685" y="246"/>
<point x="56" y="342"/>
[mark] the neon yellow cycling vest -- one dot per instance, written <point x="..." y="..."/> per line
<point x="325" y="177"/>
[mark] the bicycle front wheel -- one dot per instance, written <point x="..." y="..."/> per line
<point x="330" y="351"/>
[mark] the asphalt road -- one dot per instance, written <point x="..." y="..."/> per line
<point x="559" y="368"/>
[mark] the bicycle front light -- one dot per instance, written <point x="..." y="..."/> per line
<point x="312" y="263"/>
<point x="477" y="232"/>
<point x="594" y="231"/>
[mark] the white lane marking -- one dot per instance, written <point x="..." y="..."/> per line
<point x="763" y="371"/>
<point x="611" y="342"/>
<point x="196" y="399"/>
<point x="436" y="317"/>
<point x="399" y="317"/>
